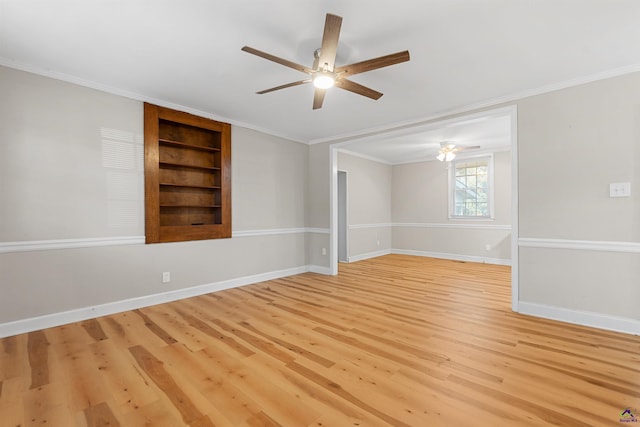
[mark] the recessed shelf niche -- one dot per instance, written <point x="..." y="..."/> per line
<point x="187" y="176"/>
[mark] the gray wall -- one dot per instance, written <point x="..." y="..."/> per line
<point x="71" y="170"/>
<point x="421" y="214"/>
<point x="572" y="144"/>
<point x="405" y="209"/>
<point x="318" y="213"/>
<point x="269" y="179"/>
<point x="70" y="161"/>
<point x="369" y="205"/>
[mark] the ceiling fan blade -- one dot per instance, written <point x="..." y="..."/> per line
<point x="318" y="98"/>
<point x="357" y="88"/>
<point x="276" y="59"/>
<point x="373" y="64"/>
<point x="330" y="38"/>
<point x="284" y="86"/>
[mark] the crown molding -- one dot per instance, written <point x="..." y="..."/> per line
<point x="470" y="108"/>
<point x="138" y="97"/>
<point x="364" y="156"/>
<point x="369" y="132"/>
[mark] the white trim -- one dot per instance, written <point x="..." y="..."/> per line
<point x="42" y="245"/>
<point x="319" y="269"/>
<point x="515" y="231"/>
<point x="77" y="315"/>
<point x="268" y="232"/>
<point x="481" y="226"/>
<point x="581" y="245"/>
<point x="364" y="156"/>
<point x="368" y="255"/>
<point x="584" y="318"/>
<point x="453" y="257"/>
<point x="318" y="230"/>
<point x="380" y="225"/>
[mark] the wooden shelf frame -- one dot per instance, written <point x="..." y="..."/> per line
<point x="187" y="176"/>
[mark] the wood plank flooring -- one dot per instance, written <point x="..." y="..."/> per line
<point x="395" y="340"/>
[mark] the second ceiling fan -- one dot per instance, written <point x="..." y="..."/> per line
<point x="449" y="150"/>
<point x="324" y="74"/>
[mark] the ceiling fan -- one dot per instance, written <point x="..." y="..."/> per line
<point x="449" y="150"/>
<point x="324" y="74"/>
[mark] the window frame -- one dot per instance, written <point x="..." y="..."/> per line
<point x="490" y="187"/>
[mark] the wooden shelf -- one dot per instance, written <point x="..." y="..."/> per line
<point x="205" y="187"/>
<point x="190" y="206"/>
<point x="185" y="145"/>
<point x="182" y="165"/>
<point x="187" y="176"/>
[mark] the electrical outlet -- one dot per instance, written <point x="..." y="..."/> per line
<point x="166" y="277"/>
<point x="620" y="189"/>
<point x="324" y="251"/>
<point x="378" y="242"/>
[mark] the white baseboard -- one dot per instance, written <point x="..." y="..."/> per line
<point x="80" y="314"/>
<point x="319" y="269"/>
<point x="584" y="318"/>
<point x="596" y="320"/>
<point x="454" y="257"/>
<point x="361" y="257"/>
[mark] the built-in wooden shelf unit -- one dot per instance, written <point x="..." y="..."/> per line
<point x="187" y="170"/>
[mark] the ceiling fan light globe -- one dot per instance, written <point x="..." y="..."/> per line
<point x="440" y="157"/>
<point x="450" y="156"/>
<point x="323" y="80"/>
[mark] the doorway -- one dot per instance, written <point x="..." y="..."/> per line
<point x="405" y="133"/>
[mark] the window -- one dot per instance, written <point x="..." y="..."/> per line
<point x="471" y="188"/>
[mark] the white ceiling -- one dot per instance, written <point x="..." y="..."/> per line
<point x="186" y="54"/>
<point x="490" y="131"/>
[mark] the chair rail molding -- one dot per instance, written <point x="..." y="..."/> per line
<point x="478" y="225"/>
<point x="43" y="245"/>
<point x="582" y="245"/>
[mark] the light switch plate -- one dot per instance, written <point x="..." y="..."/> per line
<point x="620" y="189"/>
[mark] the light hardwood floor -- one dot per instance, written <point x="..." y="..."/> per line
<point x="395" y="340"/>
